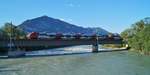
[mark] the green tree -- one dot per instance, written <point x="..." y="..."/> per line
<point x="3" y="34"/>
<point x="138" y="36"/>
<point x="11" y="30"/>
<point x="126" y="34"/>
<point x="145" y="39"/>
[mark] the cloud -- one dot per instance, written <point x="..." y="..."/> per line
<point x="68" y="20"/>
<point x="72" y="5"/>
<point x="62" y="19"/>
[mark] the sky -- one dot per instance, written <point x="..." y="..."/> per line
<point x="112" y="15"/>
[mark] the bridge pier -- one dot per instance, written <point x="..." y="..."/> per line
<point x="16" y="53"/>
<point x="95" y="48"/>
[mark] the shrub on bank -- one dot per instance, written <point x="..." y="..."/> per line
<point x="138" y="36"/>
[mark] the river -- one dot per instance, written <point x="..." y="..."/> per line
<point x="102" y="63"/>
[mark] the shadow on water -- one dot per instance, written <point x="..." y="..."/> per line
<point x="34" y="56"/>
<point x="64" y="54"/>
<point x="6" y="69"/>
<point x="11" y="70"/>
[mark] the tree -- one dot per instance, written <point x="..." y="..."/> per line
<point x="11" y="30"/>
<point x="145" y="38"/>
<point x="138" y="26"/>
<point x="138" y="36"/>
<point x="3" y="34"/>
<point x="126" y="34"/>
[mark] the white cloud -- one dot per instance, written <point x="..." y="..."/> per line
<point x="70" y="20"/>
<point x="62" y="19"/>
<point x="72" y="5"/>
<point x="67" y="20"/>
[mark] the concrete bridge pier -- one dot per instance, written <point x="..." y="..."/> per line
<point x="95" y="48"/>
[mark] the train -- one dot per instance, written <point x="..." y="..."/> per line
<point x="32" y="35"/>
<point x="37" y="35"/>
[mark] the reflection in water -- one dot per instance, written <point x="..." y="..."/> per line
<point x="109" y="63"/>
<point x="66" y="50"/>
<point x="7" y="70"/>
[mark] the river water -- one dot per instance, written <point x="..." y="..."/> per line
<point x="102" y="63"/>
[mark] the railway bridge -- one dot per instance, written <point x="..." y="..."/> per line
<point x="34" y="43"/>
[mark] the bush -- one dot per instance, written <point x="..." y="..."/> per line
<point x="138" y="36"/>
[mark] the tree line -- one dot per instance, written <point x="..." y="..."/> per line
<point x="138" y="36"/>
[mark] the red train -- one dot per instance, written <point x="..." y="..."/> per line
<point x="36" y="35"/>
<point x="32" y="35"/>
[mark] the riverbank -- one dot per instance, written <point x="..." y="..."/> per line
<point x="140" y="52"/>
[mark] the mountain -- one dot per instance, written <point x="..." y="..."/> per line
<point x="51" y="25"/>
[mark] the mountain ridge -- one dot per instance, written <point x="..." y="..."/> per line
<point x="52" y="25"/>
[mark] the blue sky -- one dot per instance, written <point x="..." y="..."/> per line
<point x="112" y="15"/>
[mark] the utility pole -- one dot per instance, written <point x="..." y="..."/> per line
<point x="10" y="37"/>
